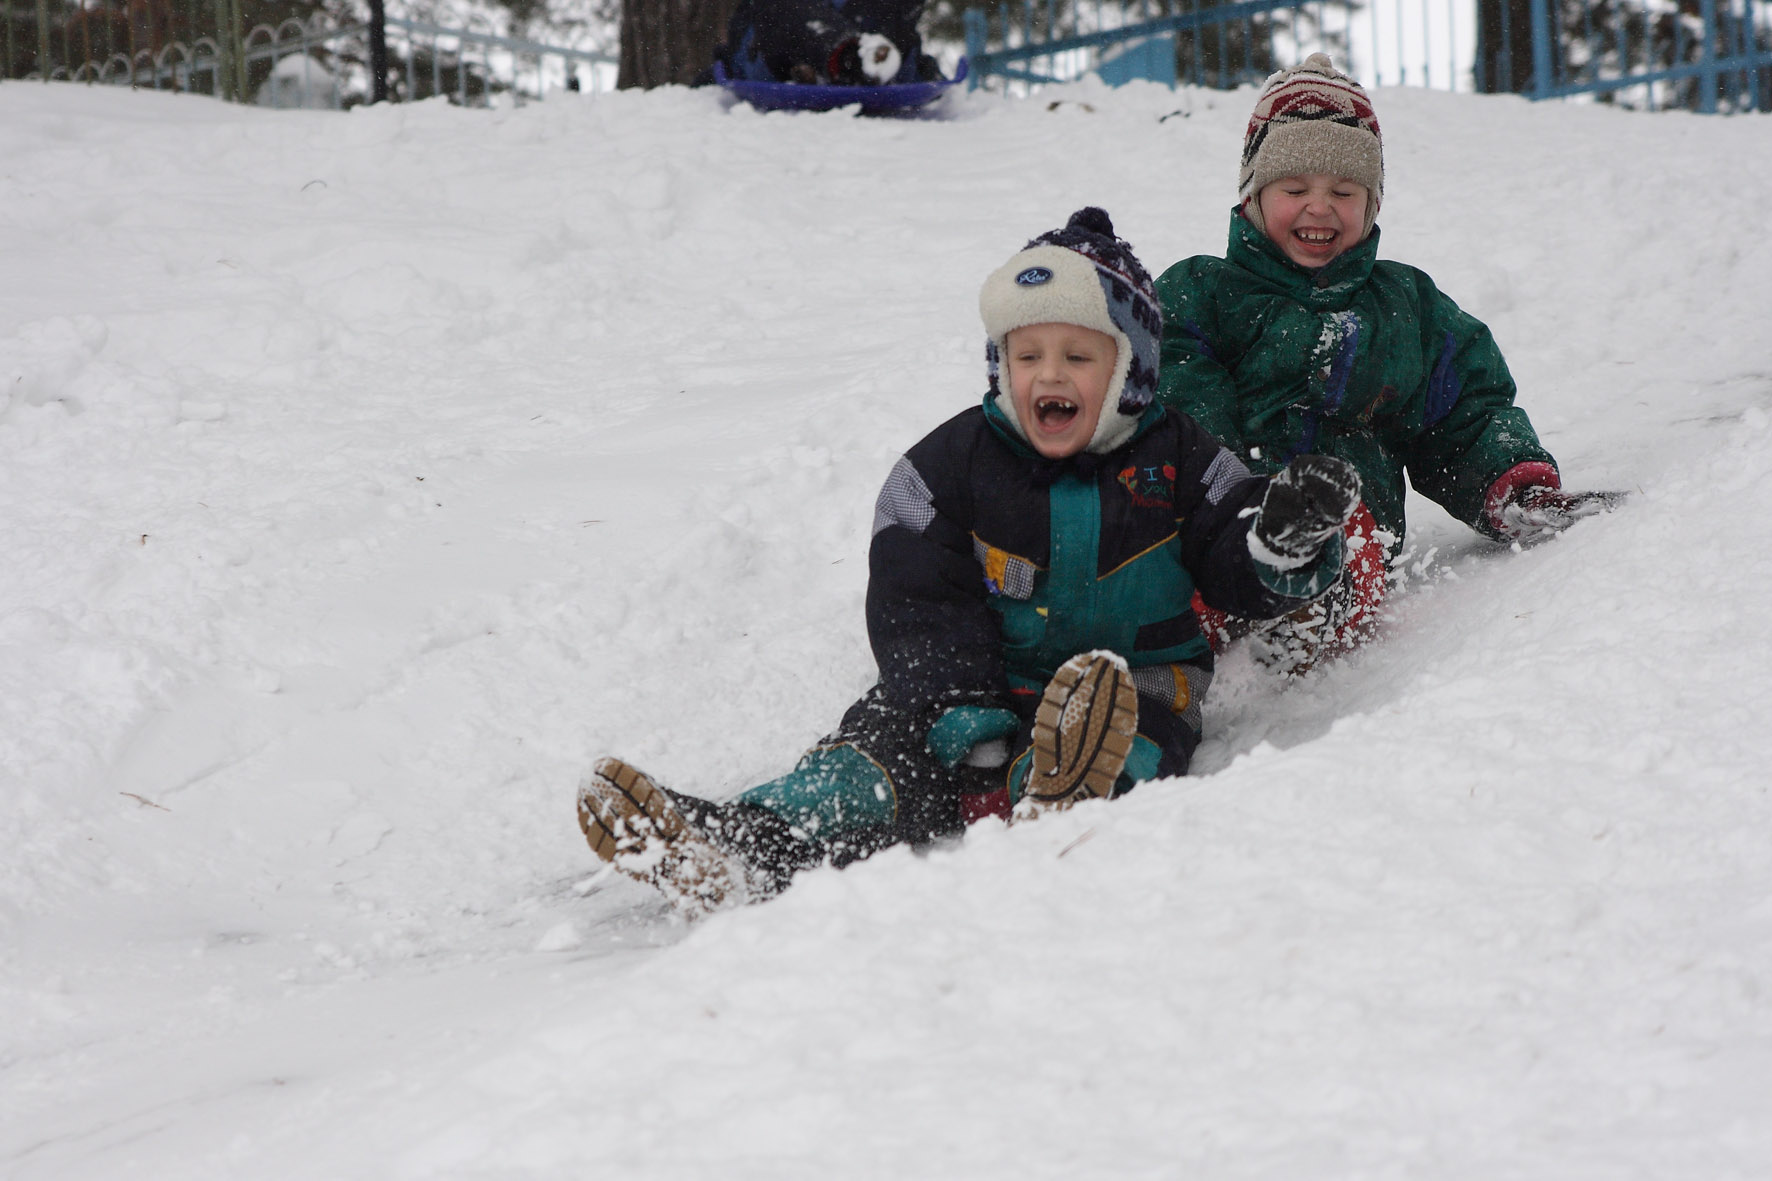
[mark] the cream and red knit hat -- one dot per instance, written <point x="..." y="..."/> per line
<point x="1311" y="119"/>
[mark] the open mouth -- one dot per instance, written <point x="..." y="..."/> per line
<point x="1054" y="414"/>
<point x="1314" y="237"/>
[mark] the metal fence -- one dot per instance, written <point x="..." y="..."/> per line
<point x="1704" y="55"/>
<point x="1709" y="55"/>
<point x="1028" y="42"/>
<point x="313" y="62"/>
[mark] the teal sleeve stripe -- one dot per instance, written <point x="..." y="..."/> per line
<point x="1306" y="582"/>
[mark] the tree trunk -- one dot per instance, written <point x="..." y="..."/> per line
<point x="1504" y="46"/>
<point x="378" y="52"/>
<point x="669" y="41"/>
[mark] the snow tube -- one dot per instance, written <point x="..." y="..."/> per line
<point x="801" y="96"/>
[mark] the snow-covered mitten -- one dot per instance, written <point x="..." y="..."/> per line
<point x="1536" y="513"/>
<point x="1527" y="504"/>
<point x="1306" y="503"/>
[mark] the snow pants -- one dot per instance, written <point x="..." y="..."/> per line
<point x="899" y="770"/>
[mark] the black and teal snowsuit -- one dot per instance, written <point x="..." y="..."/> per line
<point x="1363" y="360"/>
<point x="990" y="566"/>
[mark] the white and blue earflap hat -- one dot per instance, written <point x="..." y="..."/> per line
<point x="1085" y="275"/>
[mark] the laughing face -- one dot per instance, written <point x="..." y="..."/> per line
<point x="1314" y="218"/>
<point x="1058" y="380"/>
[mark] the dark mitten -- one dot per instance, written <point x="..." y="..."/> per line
<point x="1306" y="503"/>
<point x="1534" y="512"/>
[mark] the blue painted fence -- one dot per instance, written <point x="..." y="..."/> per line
<point x="1704" y="55"/>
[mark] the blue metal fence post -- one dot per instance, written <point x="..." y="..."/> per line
<point x="1542" y="79"/>
<point x="1741" y="48"/>
<point x="1501" y="77"/>
<point x="977" y="32"/>
<point x="1750" y="40"/>
<point x="1707" y="57"/>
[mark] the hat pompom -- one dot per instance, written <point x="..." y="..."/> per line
<point x="1094" y="219"/>
<point x="1090" y="232"/>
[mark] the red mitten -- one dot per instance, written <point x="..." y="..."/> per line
<point x="1528" y="505"/>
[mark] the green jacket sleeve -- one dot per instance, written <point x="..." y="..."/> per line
<point x="1469" y="432"/>
<point x="1194" y="378"/>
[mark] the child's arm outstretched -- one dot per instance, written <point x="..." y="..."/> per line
<point x="1474" y="451"/>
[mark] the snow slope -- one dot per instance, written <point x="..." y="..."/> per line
<point x="365" y="475"/>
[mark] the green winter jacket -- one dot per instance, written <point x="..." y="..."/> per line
<point x="1363" y="360"/>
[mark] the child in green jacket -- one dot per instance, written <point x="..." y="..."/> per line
<point x="1300" y="341"/>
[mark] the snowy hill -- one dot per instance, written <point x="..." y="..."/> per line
<point x="365" y="475"/>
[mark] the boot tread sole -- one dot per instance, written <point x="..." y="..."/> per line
<point x="1083" y="732"/>
<point x="621" y="811"/>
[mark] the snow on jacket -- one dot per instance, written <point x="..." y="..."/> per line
<point x="991" y="565"/>
<point x="1364" y="360"/>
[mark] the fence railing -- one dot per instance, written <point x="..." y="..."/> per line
<point x="317" y="62"/>
<point x="1704" y="55"/>
<point x="1715" y="55"/>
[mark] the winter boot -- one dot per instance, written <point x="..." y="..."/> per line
<point x="647" y="833"/>
<point x="1083" y="732"/>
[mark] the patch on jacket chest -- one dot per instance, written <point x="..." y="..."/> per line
<point x="1150" y="485"/>
<point x="1004" y="573"/>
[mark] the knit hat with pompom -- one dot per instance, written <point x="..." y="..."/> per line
<point x="1086" y="275"/>
<point x="1311" y="119"/>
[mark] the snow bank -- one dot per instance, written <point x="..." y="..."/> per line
<point x="365" y="475"/>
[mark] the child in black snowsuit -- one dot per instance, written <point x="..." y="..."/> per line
<point x="841" y="42"/>
<point x="1030" y="577"/>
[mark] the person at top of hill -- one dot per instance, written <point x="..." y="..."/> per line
<point x="1299" y="340"/>
<point x="1030" y="573"/>
<point x="827" y="42"/>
